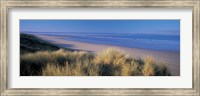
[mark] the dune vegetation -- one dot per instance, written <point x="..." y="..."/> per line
<point x="64" y="62"/>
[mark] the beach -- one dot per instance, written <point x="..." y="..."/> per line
<point x="170" y="58"/>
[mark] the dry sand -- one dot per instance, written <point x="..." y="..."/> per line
<point x="172" y="59"/>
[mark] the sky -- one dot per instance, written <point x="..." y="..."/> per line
<point x="168" y="27"/>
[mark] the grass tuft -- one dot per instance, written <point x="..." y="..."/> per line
<point x="109" y="62"/>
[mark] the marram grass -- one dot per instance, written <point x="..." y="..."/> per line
<point x="110" y="62"/>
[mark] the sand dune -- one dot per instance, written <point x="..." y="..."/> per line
<point x="172" y="59"/>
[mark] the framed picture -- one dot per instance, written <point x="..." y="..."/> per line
<point x="121" y="47"/>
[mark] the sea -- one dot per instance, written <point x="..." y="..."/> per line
<point x="160" y="42"/>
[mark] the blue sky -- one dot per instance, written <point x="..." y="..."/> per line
<point x="168" y="27"/>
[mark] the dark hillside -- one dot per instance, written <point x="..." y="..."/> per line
<point x="30" y="43"/>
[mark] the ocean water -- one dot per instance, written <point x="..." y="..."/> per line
<point x="144" y="41"/>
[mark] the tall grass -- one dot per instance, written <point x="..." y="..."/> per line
<point x="109" y="62"/>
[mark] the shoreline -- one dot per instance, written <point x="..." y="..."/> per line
<point x="171" y="59"/>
